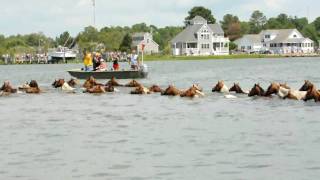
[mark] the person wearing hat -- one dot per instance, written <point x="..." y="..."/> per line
<point x="102" y="65"/>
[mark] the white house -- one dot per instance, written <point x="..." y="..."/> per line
<point x="200" y="38"/>
<point x="249" y="43"/>
<point x="279" y="41"/>
<point x="146" y="39"/>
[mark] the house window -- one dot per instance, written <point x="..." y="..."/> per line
<point x="294" y="35"/>
<point x="267" y="36"/>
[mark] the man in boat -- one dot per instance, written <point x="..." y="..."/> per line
<point x="134" y="61"/>
<point x="87" y="60"/>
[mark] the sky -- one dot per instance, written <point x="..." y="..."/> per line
<point x="52" y="17"/>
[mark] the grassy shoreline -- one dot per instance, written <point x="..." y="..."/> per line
<point x="199" y="58"/>
<point x="226" y="57"/>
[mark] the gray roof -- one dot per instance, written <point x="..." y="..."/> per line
<point x="254" y="38"/>
<point x="216" y="28"/>
<point x="189" y="33"/>
<point x="198" y="19"/>
<point x="282" y="35"/>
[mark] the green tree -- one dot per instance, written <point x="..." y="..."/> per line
<point x="245" y="28"/>
<point x="64" y="39"/>
<point x="200" y="11"/>
<point x="257" y="22"/>
<point x="141" y="27"/>
<point x="232" y="46"/>
<point x="228" y="19"/>
<point x="162" y="36"/>
<point x="299" y="23"/>
<point x="273" y="23"/>
<point x="125" y="45"/>
<point x="316" y="23"/>
<point x="311" y="32"/>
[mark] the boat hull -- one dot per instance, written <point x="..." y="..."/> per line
<point x="127" y="74"/>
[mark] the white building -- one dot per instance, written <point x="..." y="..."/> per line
<point x="279" y="41"/>
<point x="200" y="38"/>
<point x="138" y="39"/>
<point x="249" y="43"/>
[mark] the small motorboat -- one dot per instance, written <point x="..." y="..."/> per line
<point x="141" y="73"/>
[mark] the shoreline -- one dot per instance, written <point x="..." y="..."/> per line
<point x="150" y="58"/>
<point x="219" y="57"/>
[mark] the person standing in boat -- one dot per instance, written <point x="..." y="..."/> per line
<point x="134" y="61"/>
<point x="115" y="65"/>
<point x="87" y="60"/>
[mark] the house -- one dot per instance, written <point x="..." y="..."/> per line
<point x="278" y="41"/>
<point x="249" y="43"/>
<point x="146" y="39"/>
<point x="200" y="38"/>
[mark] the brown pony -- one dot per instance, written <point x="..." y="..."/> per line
<point x="171" y="91"/>
<point x="73" y="82"/>
<point x="256" y="91"/>
<point x="97" y="89"/>
<point x="90" y="83"/>
<point x="140" y="90"/>
<point x="155" y="89"/>
<point x="276" y="88"/>
<point x="58" y="83"/>
<point x="109" y="88"/>
<point x="7" y="88"/>
<point x="220" y="87"/>
<point x="133" y="83"/>
<point x="113" y="82"/>
<point x="33" y="88"/>
<point x="236" y="88"/>
<point x="312" y="93"/>
<point x="194" y="91"/>
<point x="306" y="86"/>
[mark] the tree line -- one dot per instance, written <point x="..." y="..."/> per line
<point x="119" y="38"/>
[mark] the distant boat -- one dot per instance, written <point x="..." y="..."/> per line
<point x="61" y="53"/>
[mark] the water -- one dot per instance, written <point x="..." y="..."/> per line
<point x="120" y="136"/>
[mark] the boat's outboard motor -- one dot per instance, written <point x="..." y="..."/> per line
<point x="144" y="70"/>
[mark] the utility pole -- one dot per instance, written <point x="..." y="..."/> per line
<point x="94" y="12"/>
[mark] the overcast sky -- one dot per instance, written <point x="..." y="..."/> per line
<point x="55" y="16"/>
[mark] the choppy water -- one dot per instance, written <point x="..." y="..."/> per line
<point x="120" y="136"/>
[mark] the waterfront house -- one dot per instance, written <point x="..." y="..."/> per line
<point x="138" y="39"/>
<point x="249" y="43"/>
<point x="278" y="41"/>
<point x="200" y="38"/>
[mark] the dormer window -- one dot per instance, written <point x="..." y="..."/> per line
<point x="267" y="36"/>
<point x="294" y="35"/>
